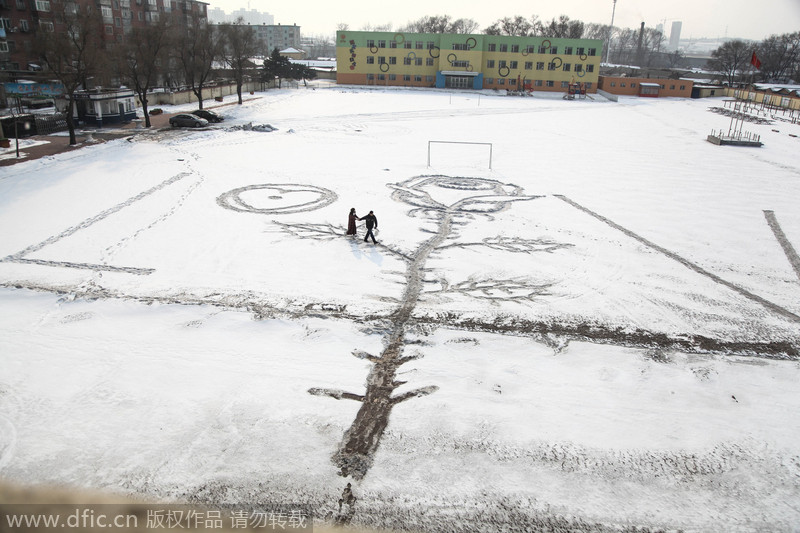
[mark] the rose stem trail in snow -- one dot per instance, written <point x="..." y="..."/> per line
<point x="360" y="442"/>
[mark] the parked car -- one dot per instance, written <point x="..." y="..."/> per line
<point x="187" y="121"/>
<point x="208" y="115"/>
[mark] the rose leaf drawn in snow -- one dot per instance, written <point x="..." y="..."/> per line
<point x="493" y="290"/>
<point x="515" y="245"/>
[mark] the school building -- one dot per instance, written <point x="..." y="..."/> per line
<point x="468" y="61"/>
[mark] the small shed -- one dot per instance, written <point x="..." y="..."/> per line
<point x="103" y="107"/>
<point x="648" y="89"/>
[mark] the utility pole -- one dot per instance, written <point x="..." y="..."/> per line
<point x="610" y="29"/>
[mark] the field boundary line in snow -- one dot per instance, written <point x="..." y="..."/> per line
<point x="775" y="308"/>
<point x="788" y="249"/>
<point x="19" y="257"/>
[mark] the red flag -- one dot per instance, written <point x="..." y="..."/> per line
<point x="755" y="61"/>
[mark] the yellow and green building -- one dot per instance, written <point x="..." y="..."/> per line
<point x="450" y="60"/>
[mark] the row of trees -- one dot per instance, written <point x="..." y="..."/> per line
<point x="777" y="57"/>
<point x="168" y="52"/>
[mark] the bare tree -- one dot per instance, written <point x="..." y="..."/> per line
<point x="441" y="24"/>
<point x="516" y="26"/>
<point x="196" y="50"/>
<point x="377" y="27"/>
<point x="70" y="47"/>
<point x="141" y="59"/>
<point x="563" y="27"/>
<point x="779" y="56"/>
<point x="675" y="58"/>
<point x="240" y="45"/>
<point x="731" y="59"/>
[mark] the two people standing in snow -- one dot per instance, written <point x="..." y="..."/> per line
<point x="371" y="222"/>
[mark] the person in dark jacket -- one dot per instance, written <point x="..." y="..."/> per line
<point x="371" y="221"/>
<point x="351" y="222"/>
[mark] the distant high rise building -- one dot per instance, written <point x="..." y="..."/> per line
<point x="250" y="16"/>
<point x="675" y="35"/>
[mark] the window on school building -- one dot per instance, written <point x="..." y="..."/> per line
<point x="406" y="61"/>
<point x="554" y="50"/>
<point x="567" y="67"/>
<point x="540" y="65"/>
<point x="492" y="47"/>
<point x="429" y="79"/>
<point x="381" y="77"/>
<point x="406" y="77"/>
<point x="431" y="45"/>
<point x="564" y="84"/>
<point x="568" y="51"/>
<point x="418" y="45"/>
<point x="381" y="44"/>
<point x="392" y="77"/>
<point x="489" y="81"/>
<point x="502" y="63"/>
<point x="537" y="83"/>
<point x="429" y="61"/>
<point x="501" y="81"/>
<point x="514" y="48"/>
<point x="513" y="65"/>
<point x="418" y="77"/>
<point x="592" y="51"/>
<point x="392" y="60"/>
<point x="418" y="62"/>
<point x="490" y="63"/>
<point x="549" y="83"/>
<point x="370" y="43"/>
<point x="504" y="48"/>
<point x="392" y="44"/>
<point x="529" y="65"/>
<point x="370" y="60"/>
<point x="407" y="45"/>
<point x="683" y="87"/>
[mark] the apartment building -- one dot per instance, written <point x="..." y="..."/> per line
<point x="20" y="19"/>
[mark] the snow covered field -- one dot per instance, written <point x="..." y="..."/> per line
<point x="599" y="332"/>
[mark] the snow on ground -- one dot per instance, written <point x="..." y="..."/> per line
<point x="607" y="324"/>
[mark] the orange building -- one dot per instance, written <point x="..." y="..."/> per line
<point x="647" y="87"/>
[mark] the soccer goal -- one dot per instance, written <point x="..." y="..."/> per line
<point x="458" y="152"/>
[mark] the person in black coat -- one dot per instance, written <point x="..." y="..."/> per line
<point x="371" y="221"/>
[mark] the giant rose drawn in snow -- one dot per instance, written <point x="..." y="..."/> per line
<point x="447" y="202"/>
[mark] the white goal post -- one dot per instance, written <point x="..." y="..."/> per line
<point x="460" y="142"/>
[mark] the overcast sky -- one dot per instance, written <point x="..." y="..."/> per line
<point x="700" y="18"/>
